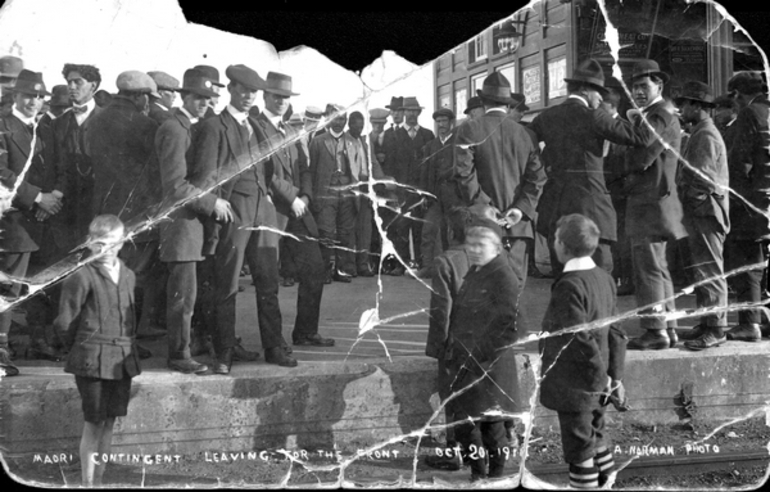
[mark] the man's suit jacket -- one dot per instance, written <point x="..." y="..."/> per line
<point x="181" y="238"/>
<point x="439" y="163"/>
<point x="120" y="141"/>
<point x="496" y="163"/>
<point x="291" y="176"/>
<point x="222" y="153"/>
<point x="323" y="162"/>
<point x="15" y="146"/>
<point x="159" y="114"/>
<point x="405" y="161"/>
<point x="653" y="207"/>
<point x="706" y="152"/>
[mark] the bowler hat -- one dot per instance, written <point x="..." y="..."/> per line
<point x="645" y="68"/>
<point x="496" y="88"/>
<point x="519" y="102"/>
<point x="29" y="82"/>
<point x="10" y="66"/>
<point x="446" y="112"/>
<point x="696" y="91"/>
<point x="589" y="72"/>
<point x="378" y="115"/>
<point x="746" y="83"/>
<point x="278" y="83"/>
<point x="313" y="113"/>
<point x="473" y="103"/>
<point x="211" y="73"/>
<point x="60" y="97"/>
<point x="164" y="81"/>
<point x="134" y="80"/>
<point x="411" y="103"/>
<point x="197" y="82"/>
<point x="245" y="76"/>
<point x="396" y="103"/>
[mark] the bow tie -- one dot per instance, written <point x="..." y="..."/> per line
<point x="79" y="109"/>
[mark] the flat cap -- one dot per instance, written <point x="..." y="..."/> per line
<point x="444" y="112"/>
<point x="134" y="80"/>
<point x="245" y="76"/>
<point x="378" y="115"/>
<point x="164" y="81"/>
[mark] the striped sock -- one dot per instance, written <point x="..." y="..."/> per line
<point x="605" y="463"/>
<point x="583" y="478"/>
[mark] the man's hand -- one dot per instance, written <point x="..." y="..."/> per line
<point x="41" y="215"/>
<point x="49" y="203"/>
<point x="617" y="396"/>
<point x="58" y="194"/>
<point x="298" y="207"/>
<point x="223" y="211"/>
<point x="511" y="218"/>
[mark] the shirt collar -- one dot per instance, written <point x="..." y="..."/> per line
<point x="273" y="118"/>
<point x="653" y="103"/>
<point x="407" y="127"/>
<point x="24" y="119"/>
<point x="335" y="135"/>
<point x="501" y="110"/>
<point x="444" y="139"/>
<point x="578" y="264"/>
<point x="579" y="98"/>
<point x="90" y="105"/>
<point x="193" y="119"/>
<point x="239" y="116"/>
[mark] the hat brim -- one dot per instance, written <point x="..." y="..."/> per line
<point x="280" y="92"/>
<point x="679" y="100"/>
<point x="30" y="92"/>
<point x="598" y="87"/>
<point x="200" y="92"/>
<point x="662" y="75"/>
<point x="412" y="107"/>
<point x="500" y="100"/>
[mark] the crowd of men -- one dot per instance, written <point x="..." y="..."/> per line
<point x="232" y="183"/>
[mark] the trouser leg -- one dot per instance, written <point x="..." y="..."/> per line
<point x="311" y="270"/>
<point x="652" y="280"/>
<point x="181" y="291"/>
<point x="707" y="262"/>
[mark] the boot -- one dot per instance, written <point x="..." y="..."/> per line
<point x="713" y="336"/>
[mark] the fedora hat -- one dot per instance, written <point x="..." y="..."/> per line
<point x="247" y="77"/>
<point x="696" y="91"/>
<point x="60" y="97"/>
<point x="496" y="88"/>
<point x="197" y="82"/>
<point x="211" y="73"/>
<point x="30" y="82"/>
<point x="589" y="72"/>
<point x="278" y="83"/>
<point x="473" y="103"/>
<point x="396" y="103"/>
<point x="519" y="102"/>
<point x="136" y="81"/>
<point x="411" y="103"/>
<point x="10" y="66"/>
<point x="645" y="68"/>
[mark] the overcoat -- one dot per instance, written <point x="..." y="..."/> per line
<point x="181" y="237"/>
<point x="482" y="326"/>
<point x="496" y="163"/>
<point x="449" y="269"/>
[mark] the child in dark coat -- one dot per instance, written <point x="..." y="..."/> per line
<point x="582" y="371"/>
<point x="97" y="323"/>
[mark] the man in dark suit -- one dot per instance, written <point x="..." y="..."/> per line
<point x="654" y="213"/>
<point x="290" y="187"/>
<point x="404" y="163"/>
<point x="497" y="164"/>
<point x="16" y="134"/>
<point x="232" y="146"/>
<point x="181" y="238"/>
<point x="749" y="168"/>
<point x="168" y="86"/>
<point x="574" y="136"/>
<point x="702" y="183"/>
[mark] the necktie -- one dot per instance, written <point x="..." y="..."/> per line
<point x="79" y="109"/>
<point x="412" y="132"/>
<point x="248" y="127"/>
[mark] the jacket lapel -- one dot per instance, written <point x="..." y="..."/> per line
<point x="330" y="144"/>
<point x="19" y="134"/>
<point x="232" y="134"/>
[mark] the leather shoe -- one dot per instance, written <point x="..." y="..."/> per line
<point x="651" y="340"/>
<point x="240" y="353"/>
<point x="315" y="339"/>
<point x="202" y="346"/>
<point x="187" y="366"/>
<point x="340" y="276"/>
<point x="150" y="332"/>
<point x="672" y="337"/>
<point x="287" y="282"/>
<point x="6" y="366"/>
<point x="224" y="362"/>
<point x="712" y="337"/>
<point x="144" y="353"/>
<point x="696" y="332"/>
<point x="39" y="349"/>
<point x="277" y="355"/>
<point x="749" y="332"/>
<point x="366" y="272"/>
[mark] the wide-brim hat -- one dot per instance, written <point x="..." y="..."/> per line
<point x="496" y="88"/>
<point x="378" y="115"/>
<point x="313" y="113"/>
<point x="211" y="73"/>
<point x="411" y="103"/>
<point x="11" y="66"/>
<point x="473" y="103"/>
<point x="645" y="68"/>
<point x="278" y="83"/>
<point x="60" y="97"/>
<point x="29" y="82"/>
<point x="696" y="91"/>
<point x="136" y="81"/>
<point x="245" y="76"/>
<point x="164" y="81"/>
<point x="396" y="103"/>
<point x="445" y="112"/>
<point x="196" y="82"/>
<point x="589" y="72"/>
<point x="519" y="102"/>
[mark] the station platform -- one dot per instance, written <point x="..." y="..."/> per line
<point x="365" y="390"/>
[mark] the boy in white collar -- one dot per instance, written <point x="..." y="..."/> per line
<point x="582" y="371"/>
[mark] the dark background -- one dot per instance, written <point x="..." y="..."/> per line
<point x="356" y="38"/>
